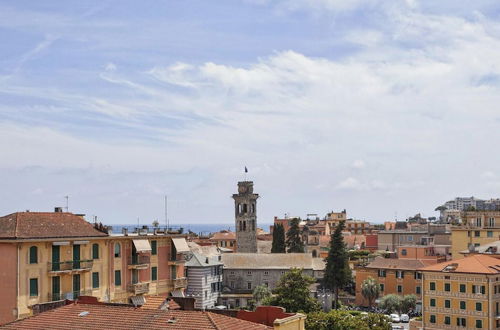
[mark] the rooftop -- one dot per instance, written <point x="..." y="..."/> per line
<point x="29" y="225"/>
<point x="393" y="263"/>
<point x="272" y="261"/>
<point x="475" y="264"/>
<point x="92" y="316"/>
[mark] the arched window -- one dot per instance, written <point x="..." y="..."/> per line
<point x="33" y="255"/>
<point x="95" y="251"/>
<point x="314" y="254"/>
<point x="117" y="250"/>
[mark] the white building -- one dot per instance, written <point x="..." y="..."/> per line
<point x="204" y="274"/>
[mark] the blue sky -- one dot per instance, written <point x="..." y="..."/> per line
<point x="384" y="108"/>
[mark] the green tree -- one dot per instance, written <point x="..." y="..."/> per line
<point x="293" y="238"/>
<point x="344" y="320"/>
<point x="391" y="303"/>
<point x="278" y="239"/>
<point x="370" y="289"/>
<point x="337" y="271"/>
<point x="292" y="293"/>
<point x="260" y="293"/>
<point x="409" y="302"/>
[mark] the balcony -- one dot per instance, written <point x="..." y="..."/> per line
<point x="139" y="262"/>
<point x="179" y="283"/>
<point x="138" y="288"/>
<point x="71" y="266"/>
<point x="68" y="295"/>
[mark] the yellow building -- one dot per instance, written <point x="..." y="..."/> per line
<point x="462" y="293"/>
<point x="477" y="228"/>
<point x="52" y="256"/>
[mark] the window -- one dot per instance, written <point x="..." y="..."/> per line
<point x="117" y="250"/>
<point x="154" y="273"/>
<point x="432" y="286"/>
<point x="33" y="287"/>
<point x="463" y="288"/>
<point x="461" y="322"/>
<point x="418" y="276"/>
<point x="381" y="273"/>
<point x="479" y="289"/>
<point x="491" y="222"/>
<point x="400" y="288"/>
<point x="410" y="238"/>
<point x="266" y="272"/>
<point x="154" y="247"/>
<point x="479" y="306"/>
<point x="433" y="302"/>
<point x="266" y="284"/>
<point x="95" y="251"/>
<point x="479" y="324"/>
<point x="95" y="280"/>
<point x="403" y="252"/>
<point x="206" y="294"/>
<point x="477" y="233"/>
<point x="33" y="255"/>
<point x="432" y="319"/>
<point x="489" y="233"/>
<point x="249" y="273"/>
<point x="249" y="285"/>
<point x="447" y="320"/>
<point x="418" y="290"/>
<point x="447" y="303"/>
<point x="232" y="272"/>
<point x="381" y="287"/>
<point x="118" y="277"/>
<point x="231" y="285"/>
<point x="400" y="274"/>
<point x="447" y="287"/>
<point x="463" y="305"/>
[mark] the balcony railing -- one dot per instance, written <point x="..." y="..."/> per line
<point x="139" y="261"/>
<point x="72" y="265"/>
<point x="68" y="295"/>
<point x="138" y="288"/>
<point x="179" y="283"/>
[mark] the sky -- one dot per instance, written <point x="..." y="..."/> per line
<point x="383" y="108"/>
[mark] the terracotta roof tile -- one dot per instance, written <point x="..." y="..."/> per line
<point x="393" y="263"/>
<point x="124" y="317"/>
<point x="476" y="264"/>
<point x="46" y="225"/>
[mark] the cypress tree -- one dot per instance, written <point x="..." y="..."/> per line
<point x="278" y="239"/>
<point x="337" y="271"/>
<point x="293" y="240"/>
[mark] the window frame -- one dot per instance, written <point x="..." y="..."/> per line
<point x="33" y="255"/>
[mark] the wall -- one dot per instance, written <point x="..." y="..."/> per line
<point x="8" y="282"/>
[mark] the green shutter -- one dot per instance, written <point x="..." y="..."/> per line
<point x="95" y="280"/>
<point x="154" y="273"/>
<point x="479" y="306"/>
<point x="33" y="287"/>
<point x="154" y="245"/>
<point x="95" y="251"/>
<point x="33" y="255"/>
<point x="118" y="278"/>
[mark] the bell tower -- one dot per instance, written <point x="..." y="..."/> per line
<point x="245" y="207"/>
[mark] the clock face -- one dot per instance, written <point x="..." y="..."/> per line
<point x="242" y="189"/>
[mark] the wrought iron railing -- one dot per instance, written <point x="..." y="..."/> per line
<point x="70" y="265"/>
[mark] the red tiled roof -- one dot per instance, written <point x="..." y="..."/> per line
<point x="224" y="235"/>
<point x="393" y="263"/>
<point x="476" y="264"/>
<point x="156" y="302"/>
<point x="46" y="225"/>
<point x="124" y="317"/>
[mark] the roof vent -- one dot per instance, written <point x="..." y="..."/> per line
<point x="172" y="320"/>
<point x="450" y="267"/>
<point x="58" y="209"/>
<point x="82" y="314"/>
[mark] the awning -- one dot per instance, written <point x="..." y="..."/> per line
<point x="138" y="300"/>
<point x="142" y="245"/>
<point x="181" y="245"/>
<point x="177" y="293"/>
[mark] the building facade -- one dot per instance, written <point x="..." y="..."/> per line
<point x="477" y="228"/>
<point x="204" y="274"/>
<point x="462" y="294"/>
<point x="245" y="206"/>
<point x="51" y="256"/>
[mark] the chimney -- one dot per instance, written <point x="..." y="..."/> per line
<point x="125" y="231"/>
<point x="58" y="209"/>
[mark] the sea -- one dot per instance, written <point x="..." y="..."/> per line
<point x="198" y="228"/>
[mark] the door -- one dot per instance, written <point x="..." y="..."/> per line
<point x="56" y="288"/>
<point x="135" y="276"/>
<point x="56" y="263"/>
<point x="135" y="257"/>
<point x="76" y="256"/>
<point x="76" y="286"/>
